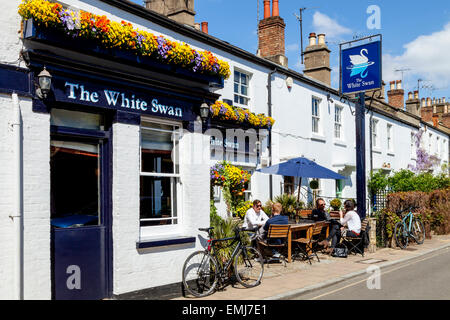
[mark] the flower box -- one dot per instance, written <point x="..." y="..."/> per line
<point x="57" y="37"/>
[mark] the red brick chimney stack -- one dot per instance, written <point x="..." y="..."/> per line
<point x="396" y="94"/>
<point x="271" y="35"/>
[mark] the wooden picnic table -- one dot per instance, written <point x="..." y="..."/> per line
<point x="303" y="227"/>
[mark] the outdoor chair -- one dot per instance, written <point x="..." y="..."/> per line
<point x="276" y="231"/>
<point x="356" y="245"/>
<point x="310" y="245"/>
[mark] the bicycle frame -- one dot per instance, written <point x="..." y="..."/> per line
<point x="409" y="225"/>
<point x="212" y="250"/>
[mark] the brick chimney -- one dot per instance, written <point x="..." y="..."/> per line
<point x="317" y="59"/>
<point x="271" y="35"/>
<point x="181" y="11"/>
<point x="413" y="104"/>
<point x="396" y="94"/>
<point x="205" y="27"/>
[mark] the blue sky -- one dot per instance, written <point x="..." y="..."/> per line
<point x="416" y="34"/>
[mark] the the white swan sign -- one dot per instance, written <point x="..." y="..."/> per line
<point x="361" y="68"/>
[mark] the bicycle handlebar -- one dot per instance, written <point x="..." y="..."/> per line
<point x="408" y="209"/>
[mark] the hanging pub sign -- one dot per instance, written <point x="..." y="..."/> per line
<point x="123" y="99"/>
<point x="360" y="67"/>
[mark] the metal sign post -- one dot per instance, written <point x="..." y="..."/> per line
<point x="360" y="71"/>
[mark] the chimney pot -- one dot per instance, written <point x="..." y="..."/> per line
<point x="205" y="27"/>
<point x="424" y="102"/>
<point x="321" y="38"/>
<point x="312" y="39"/>
<point x="399" y="84"/>
<point x="416" y="94"/>
<point x="428" y="102"/>
<point x="410" y="95"/>
<point x="275" y="8"/>
<point x="266" y="9"/>
<point x="392" y="85"/>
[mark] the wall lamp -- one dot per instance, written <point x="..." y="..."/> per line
<point x="45" y="84"/>
<point x="204" y="112"/>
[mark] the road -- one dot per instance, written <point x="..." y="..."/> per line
<point x="426" y="278"/>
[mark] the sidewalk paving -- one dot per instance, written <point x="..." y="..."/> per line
<point x="281" y="282"/>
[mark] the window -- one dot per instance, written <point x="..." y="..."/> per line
<point x="160" y="176"/>
<point x="315" y="115"/>
<point x="241" y="83"/>
<point x="438" y="147"/>
<point x="338" y="122"/>
<point x="390" y="146"/>
<point x="375" y="143"/>
<point x="413" y="150"/>
<point x="430" y="146"/>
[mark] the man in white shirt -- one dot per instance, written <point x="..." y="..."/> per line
<point x="255" y="217"/>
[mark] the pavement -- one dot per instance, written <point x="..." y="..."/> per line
<point x="283" y="283"/>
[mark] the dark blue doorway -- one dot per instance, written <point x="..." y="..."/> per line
<point x="80" y="214"/>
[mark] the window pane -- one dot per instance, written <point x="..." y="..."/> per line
<point x="156" y="150"/>
<point x="75" y="184"/>
<point x="158" y="196"/>
<point x="244" y="79"/>
<point x="236" y="87"/>
<point x="237" y="76"/>
<point x="76" y="119"/>
<point x="244" y="90"/>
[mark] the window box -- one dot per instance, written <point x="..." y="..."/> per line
<point x="91" y="47"/>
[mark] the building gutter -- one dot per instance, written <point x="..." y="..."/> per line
<point x="16" y="216"/>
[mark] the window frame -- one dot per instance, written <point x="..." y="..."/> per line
<point x="374" y="133"/>
<point x="239" y="94"/>
<point x="390" y="137"/>
<point x="315" y="117"/>
<point x="174" y="176"/>
<point x="338" y="123"/>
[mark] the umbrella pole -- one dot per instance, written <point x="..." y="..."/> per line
<point x="299" y="187"/>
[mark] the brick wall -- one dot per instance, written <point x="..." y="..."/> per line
<point x="396" y="97"/>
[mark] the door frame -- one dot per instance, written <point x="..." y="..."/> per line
<point x="70" y="133"/>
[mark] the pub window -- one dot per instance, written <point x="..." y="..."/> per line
<point x="159" y="175"/>
<point x="338" y="122"/>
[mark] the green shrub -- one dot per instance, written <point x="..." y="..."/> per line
<point x="336" y="204"/>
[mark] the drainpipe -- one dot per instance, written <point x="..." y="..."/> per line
<point x="18" y="197"/>
<point x="269" y="109"/>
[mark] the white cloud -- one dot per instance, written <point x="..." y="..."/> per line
<point x="331" y="28"/>
<point x="292" y="47"/>
<point x="426" y="57"/>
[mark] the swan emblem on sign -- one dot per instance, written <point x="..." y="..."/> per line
<point x="360" y="63"/>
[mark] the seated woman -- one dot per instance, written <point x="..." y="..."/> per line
<point x="351" y="220"/>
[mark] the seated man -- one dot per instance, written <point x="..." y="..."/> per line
<point x="276" y="219"/>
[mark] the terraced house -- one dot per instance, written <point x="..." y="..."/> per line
<point x="112" y="115"/>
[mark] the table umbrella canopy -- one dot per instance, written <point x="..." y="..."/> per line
<point x="301" y="167"/>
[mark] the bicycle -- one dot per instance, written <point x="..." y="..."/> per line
<point x="202" y="271"/>
<point x="409" y="227"/>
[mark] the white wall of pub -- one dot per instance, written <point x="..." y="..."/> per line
<point x="138" y="269"/>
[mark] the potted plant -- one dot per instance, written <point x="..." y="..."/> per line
<point x="335" y="204"/>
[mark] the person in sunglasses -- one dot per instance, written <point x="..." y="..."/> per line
<point x="255" y="216"/>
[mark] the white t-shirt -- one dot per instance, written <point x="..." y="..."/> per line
<point x="352" y="220"/>
<point x="253" y="219"/>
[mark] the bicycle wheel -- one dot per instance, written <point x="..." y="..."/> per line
<point x="249" y="267"/>
<point x="401" y="235"/>
<point x="199" y="274"/>
<point x="418" y="230"/>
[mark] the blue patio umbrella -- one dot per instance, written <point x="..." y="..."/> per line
<point x="303" y="168"/>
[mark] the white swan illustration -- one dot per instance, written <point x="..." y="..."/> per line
<point x="360" y="63"/>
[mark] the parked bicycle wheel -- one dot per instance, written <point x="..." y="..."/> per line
<point x="418" y="230"/>
<point x="199" y="274"/>
<point x="249" y="267"/>
<point x="401" y="235"/>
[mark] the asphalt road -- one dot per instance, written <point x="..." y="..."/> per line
<point x="425" y="278"/>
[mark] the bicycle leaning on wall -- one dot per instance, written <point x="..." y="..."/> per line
<point x="202" y="271"/>
<point x="409" y="227"/>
